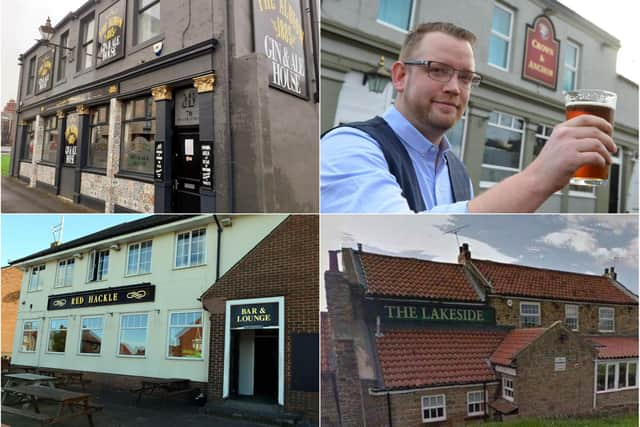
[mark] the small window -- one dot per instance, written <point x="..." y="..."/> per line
<point x="64" y="275"/>
<point x="148" y="24"/>
<point x="35" y="278"/>
<point x="26" y="153"/>
<point x="99" y="137"/>
<point x="503" y="147"/>
<point x="98" y="266"/>
<point x="632" y="374"/>
<point x="475" y="403"/>
<point x="434" y="408"/>
<point x="190" y="248"/>
<point x="529" y="314"/>
<point x="133" y="335"/>
<point x="500" y="39"/>
<point x="86" y="51"/>
<point x="50" y="140"/>
<point x="507" y="388"/>
<point x="185" y="335"/>
<point x="91" y="335"/>
<point x="30" y="335"/>
<point x="602" y="376"/>
<point x="57" y="335"/>
<point x="622" y="375"/>
<point x="396" y="13"/>
<point x="571" y="316"/>
<point x="31" y="78"/>
<point x="606" y="322"/>
<point x="139" y="258"/>
<point x="137" y="149"/>
<point x="62" y="55"/>
<point x="571" y="62"/>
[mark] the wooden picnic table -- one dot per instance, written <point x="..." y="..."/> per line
<point x="171" y="386"/>
<point x="14" y="380"/>
<point x="70" y="404"/>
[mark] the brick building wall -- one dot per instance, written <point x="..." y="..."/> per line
<point x="285" y="263"/>
<point x="617" y="402"/>
<point x="11" y="282"/>
<point x="626" y="316"/>
<point x="329" y="412"/>
<point x="555" y="393"/>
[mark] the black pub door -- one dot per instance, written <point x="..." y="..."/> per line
<point x="265" y="383"/>
<point x="186" y="171"/>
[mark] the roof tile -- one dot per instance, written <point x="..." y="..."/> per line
<point x="513" y="343"/>
<point x="615" y="347"/>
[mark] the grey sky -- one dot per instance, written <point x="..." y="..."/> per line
<point x="579" y="243"/>
<point x="20" y="19"/>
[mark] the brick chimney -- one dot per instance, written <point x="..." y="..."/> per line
<point x="611" y="273"/>
<point x="333" y="261"/>
<point x="465" y="254"/>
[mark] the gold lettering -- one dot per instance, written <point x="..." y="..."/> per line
<point x="389" y="311"/>
<point x="434" y="314"/>
<point x="480" y="315"/>
<point x="540" y="68"/>
<point x="542" y="48"/>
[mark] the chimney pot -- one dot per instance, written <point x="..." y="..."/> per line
<point x="333" y="261"/>
<point x="465" y="253"/>
<point x="606" y="271"/>
<point x="360" y="247"/>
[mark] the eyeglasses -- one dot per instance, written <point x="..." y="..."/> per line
<point x="443" y="73"/>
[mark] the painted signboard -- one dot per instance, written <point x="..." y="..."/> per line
<point x="44" y="70"/>
<point x="416" y="313"/>
<point x="254" y="315"/>
<point x="71" y="139"/>
<point x="541" y="52"/>
<point x="111" y="31"/>
<point x="144" y="292"/>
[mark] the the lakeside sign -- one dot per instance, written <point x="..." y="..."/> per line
<point x="111" y="30"/>
<point x="254" y="315"/>
<point x="416" y="313"/>
<point x="44" y="70"/>
<point x="144" y="292"/>
<point x="541" y="52"/>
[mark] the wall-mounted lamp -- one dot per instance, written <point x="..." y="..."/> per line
<point x="377" y="78"/>
<point x="46" y="33"/>
<point x="115" y="247"/>
<point x="77" y="255"/>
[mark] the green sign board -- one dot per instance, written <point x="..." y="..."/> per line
<point x="394" y="312"/>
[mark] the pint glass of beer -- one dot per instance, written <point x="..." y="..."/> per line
<point x="599" y="103"/>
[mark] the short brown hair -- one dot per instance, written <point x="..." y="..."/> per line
<point x="415" y="36"/>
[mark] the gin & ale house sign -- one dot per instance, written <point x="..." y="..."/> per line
<point x="111" y="30"/>
<point x="44" y="68"/>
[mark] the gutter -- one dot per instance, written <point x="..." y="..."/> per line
<point x="385" y="391"/>
<point x="218" y="251"/>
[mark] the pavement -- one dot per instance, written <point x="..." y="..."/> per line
<point x="17" y="197"/>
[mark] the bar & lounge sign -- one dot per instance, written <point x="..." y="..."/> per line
<point x="254" y="315"/>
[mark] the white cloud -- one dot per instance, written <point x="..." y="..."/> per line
<point x="584" y="242"/>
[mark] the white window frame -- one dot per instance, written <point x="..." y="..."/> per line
<point x="202" y="336"/>
<point x="465" y="119"/>
<point x="56" y="330"/>
<point x="80" y="353"/>
<point x="38" y="334"/>
<point x="36" y="275"/>
<point x="190" y="232"/>
<point x="506" y="389"/>
<point x="444" y="408"/>
<point x="146" y="337"/>
<point x="511" y="128"/>
<point x="94" y="257"/>
<point x="402" y="30"/>
<point x="613" y="318"/>
<point x="577" y="316"/>
<point x="531" y="303"/>
<point x="570" y="68"/>
<point x="139" y="244"/>
<point x="64" y="276"/>
<point x="482" y="402"/>
<point x="502" y="36"/>
<point x="615" y="365"/>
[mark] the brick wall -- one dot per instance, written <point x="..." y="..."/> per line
<point x="11" y="282"/>
<point x="329" y="410"/>
<point x="617" y="402"/>
<point x="626" y="316"/>
<point x="285" y="263"/>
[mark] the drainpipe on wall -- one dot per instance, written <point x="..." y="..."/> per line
<point x="218" y="250"/>
<point x="595" y="381"/>
<point x="389" y="411"/>
<point x="486" y="400"/>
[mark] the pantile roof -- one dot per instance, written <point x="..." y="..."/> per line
<point x="513" y="343"/>
<point x="410" y="277"/>
<point x="615" y="347"/>
<point x="411" y="358"/>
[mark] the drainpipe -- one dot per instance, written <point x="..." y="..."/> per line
<point x="389" y="411"/>
<point x="218" y="251"/>
<point x="486" y="399"/>
<point x="595" y="381"/>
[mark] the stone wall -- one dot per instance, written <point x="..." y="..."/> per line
<point x="94" y="185"/>
<point x="134" y="195"/>
<point x="47" y="174"/>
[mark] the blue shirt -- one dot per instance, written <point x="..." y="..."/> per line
<point x="355" y="177"/>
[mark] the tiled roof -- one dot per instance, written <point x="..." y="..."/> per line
<point x="518" y="280"/>
<point x="423" y="357"/>
<point x="615" y="347"/>
<point x="409" y="277"/>
<point x="326" y="343"/>
<point x="513" y="343"/>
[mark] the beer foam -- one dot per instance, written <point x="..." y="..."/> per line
<point x="590" y="104"/>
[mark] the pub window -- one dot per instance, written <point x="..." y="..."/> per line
<point x="434" y="408"/>
<point x="99" y="137"/>
<point x="190" y="248"/>
<point x="602" y="376"/>
<point x="148" y="23"/>
<point x="571" y="63"/>
<point x="29" y="335"/>
<point x="185" y="335"/>
<point x="91" y="335"/>
<point x="503" y="148"/>
<point x="396" y="13"/>
<point x="133" y="335"/>
<point x="543" y="132"/>
<point x="507" y="388"/>
<point x="31" y="78"/>
<point x="137" y="151"/>
<point x="571" y="316"/>
<point x="64" y="275"/>
<point x="475" y="403"/>
<point x="35" y="278"/>
<point x="62" y="55"/>
<point x="455" y="136"/>
<point x="98" y="265"/>
<point x="50" y="139"/>
<point x="617" y="376"/>
<point x="86" y="51"/>
<point x="606" y="322"/>
<point x="139" y="258"/>
<point x="500" y="39"/>
<point x="27" y="147"/>
<point x="529" y="314"/>
<point x="632" y="374"/>
<point x="57" y="335"/>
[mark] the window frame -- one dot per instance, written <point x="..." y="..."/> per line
<point x="202" y="335"/>
<point x="506" y="388"/>
<point x="82" y="318"/>
<point x="83" y="43"/>
<point x="510" y="128"/>
<point x="568" y="68"/>
<point x="93" y="260"/>
<point x="67" y="262"/>
<point x="139" y="244"/>
<point x="465" y="119"/>
<point x="613" y="319"/>
<point x="508" y="39"/>
<point x="615" y="365"/>
<point x="149" y="116"/>
<point x="577" y="317"/>
<point x="424" y="407"/>
<point x="146" y="337"/>
<point x="531" y="303"/>
<point x="31" y="76"/>
<point x="29" y="135"/>
<point x="481" y="402"/>
<point x="48" y="121"/>
<point x="63" y="57"/>
<point x="395" y="27"/>
<point x="39" y="280"/>
<point x="189" y="264"/>
<point x="50" y="330"/>
<point x="137" y="12"/>
<point x="92" y="127"/>
<point x="36" y="329"/>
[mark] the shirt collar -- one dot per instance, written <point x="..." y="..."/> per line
<point x="410" y="136"/>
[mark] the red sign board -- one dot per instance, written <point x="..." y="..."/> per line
<point x="541" y="53"/>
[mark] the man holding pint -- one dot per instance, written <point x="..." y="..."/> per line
<point x="401" y="162"/>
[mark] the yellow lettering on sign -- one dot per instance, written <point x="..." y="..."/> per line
<point x="540" y="68"/>
<point x="545" y="49"/>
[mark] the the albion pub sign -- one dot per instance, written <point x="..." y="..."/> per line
<point x="144" y="292"/>
<point x="415" y="313"/>
<point x="541" y="53"/>
<point x="254" y="315"/>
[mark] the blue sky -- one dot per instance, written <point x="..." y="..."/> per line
<point x="579" y="243"/>
<point x="24" y="234"/>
